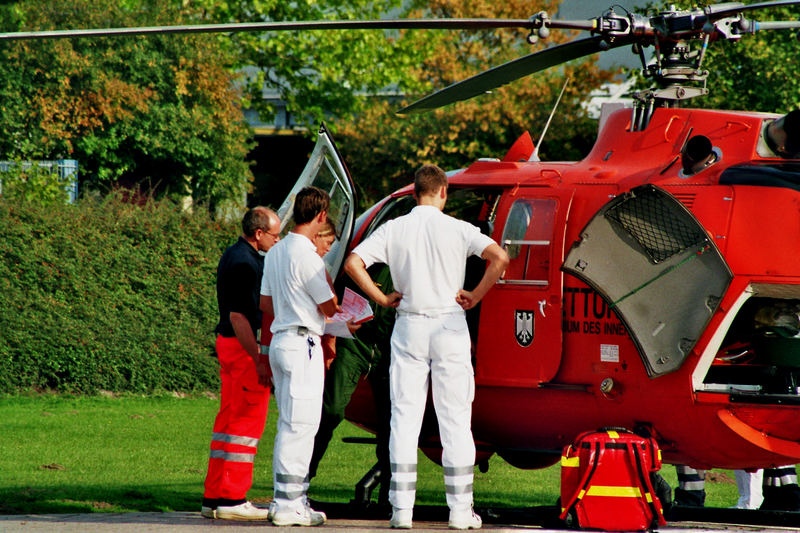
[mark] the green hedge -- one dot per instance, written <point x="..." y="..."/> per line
<point x="108" y="295"/>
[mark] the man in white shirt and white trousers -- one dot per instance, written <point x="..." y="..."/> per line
<point x="426" y="252"/>
<point x="295" y="291"/>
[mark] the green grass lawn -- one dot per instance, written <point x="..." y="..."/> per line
<point x="64" y="454"/>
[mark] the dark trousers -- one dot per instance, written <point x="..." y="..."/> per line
<point x="354" y="359"/>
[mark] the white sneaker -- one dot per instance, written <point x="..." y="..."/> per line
<point x="243" y="511"/>
<point x="465" y="519"/>
<point x="303" y="516"/>
<point x="208" y="512"/>
<point x="401" y="518"/>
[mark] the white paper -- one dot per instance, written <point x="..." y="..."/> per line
<point x="354" y="307"/>
<point x="338" y="329"/>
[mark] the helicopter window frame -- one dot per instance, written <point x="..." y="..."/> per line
<point x="529" y="221"/>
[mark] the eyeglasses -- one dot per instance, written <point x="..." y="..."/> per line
<point x="273" y="235"/>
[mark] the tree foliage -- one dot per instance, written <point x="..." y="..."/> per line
<point x="316" y="73"/>
<point x="386" y="149"/>
<point x="158" y="111"/>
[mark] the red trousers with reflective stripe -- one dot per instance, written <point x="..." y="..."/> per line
<point x="239" y="423"/>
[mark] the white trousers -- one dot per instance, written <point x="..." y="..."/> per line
<point x="432" y="350"/>
<point x="749" y="485"/>
<point x="298" y="373"/>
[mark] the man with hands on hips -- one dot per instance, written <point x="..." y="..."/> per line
<point x="426" y="252"/>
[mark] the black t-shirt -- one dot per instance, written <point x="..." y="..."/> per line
<point x="239" y="286"/>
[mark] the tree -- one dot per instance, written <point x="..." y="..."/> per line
<point x="316" y="73"/>
<point x="383" y="150"/>
<point x="160" y="112"/>
<point x="164" y="111"/>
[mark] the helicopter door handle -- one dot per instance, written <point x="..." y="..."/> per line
<point x="542" y="304"/>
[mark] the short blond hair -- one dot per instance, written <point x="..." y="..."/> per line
<point x="328" y="229"/>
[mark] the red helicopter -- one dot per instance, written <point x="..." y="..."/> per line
<point x="653" y="285"/>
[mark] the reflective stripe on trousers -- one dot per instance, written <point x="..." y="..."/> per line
<point x="403" y="484"/>
<point x="779" y="477"/>
<point x="432" y="350"/>
<point x="690" y="479"/>
<point x="298" y="382"/>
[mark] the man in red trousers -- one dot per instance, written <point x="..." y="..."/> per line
<point x="244" y="372"/>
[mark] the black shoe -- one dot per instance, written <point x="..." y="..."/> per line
<point x="689" y="498"/>
<point x="783" y="498"/>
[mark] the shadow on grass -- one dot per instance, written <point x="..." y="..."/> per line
<point x="132" y="499"/>
<point x="94" y="499"/>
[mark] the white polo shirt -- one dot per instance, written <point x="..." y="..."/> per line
<point x="294" y="275"/>
<point x="426" y="251"/>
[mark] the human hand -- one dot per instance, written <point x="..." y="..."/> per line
<point x="391" y="300"/>
<point x="264" y="371"/>
<point x="352" y="326"/>
<point x="466" y="299"/>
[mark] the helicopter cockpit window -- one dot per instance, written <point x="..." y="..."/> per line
<point x="526" y="238"/>
<point x="477" y="207"/>
<point x="394" y="208"/>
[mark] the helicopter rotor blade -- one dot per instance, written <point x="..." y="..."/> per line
<point x="513" y="70"/>
<point x="725" y="10"/>
<point x="777" y="25"/>
<point x="385" y="24"/>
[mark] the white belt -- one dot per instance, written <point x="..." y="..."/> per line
<point x="412" y="314"/>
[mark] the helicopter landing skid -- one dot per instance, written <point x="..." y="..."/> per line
<point x="367" y="484"/>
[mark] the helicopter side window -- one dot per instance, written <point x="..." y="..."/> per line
<point x="394" y="208"/>
<point x="526" y="238"/>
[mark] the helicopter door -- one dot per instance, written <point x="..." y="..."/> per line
<point x="520" y="338"/>
<point x="325" y="169"/>
<point x="654" y="264"/>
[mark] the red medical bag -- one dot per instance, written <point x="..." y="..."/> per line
<point x="606" y="483"/>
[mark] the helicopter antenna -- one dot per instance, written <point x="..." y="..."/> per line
<point x="535" y="155"/>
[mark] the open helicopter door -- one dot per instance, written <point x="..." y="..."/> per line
<point x="521" y="340"/>
<point x="325" y="169"/>
<point x="654" y="264"/>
